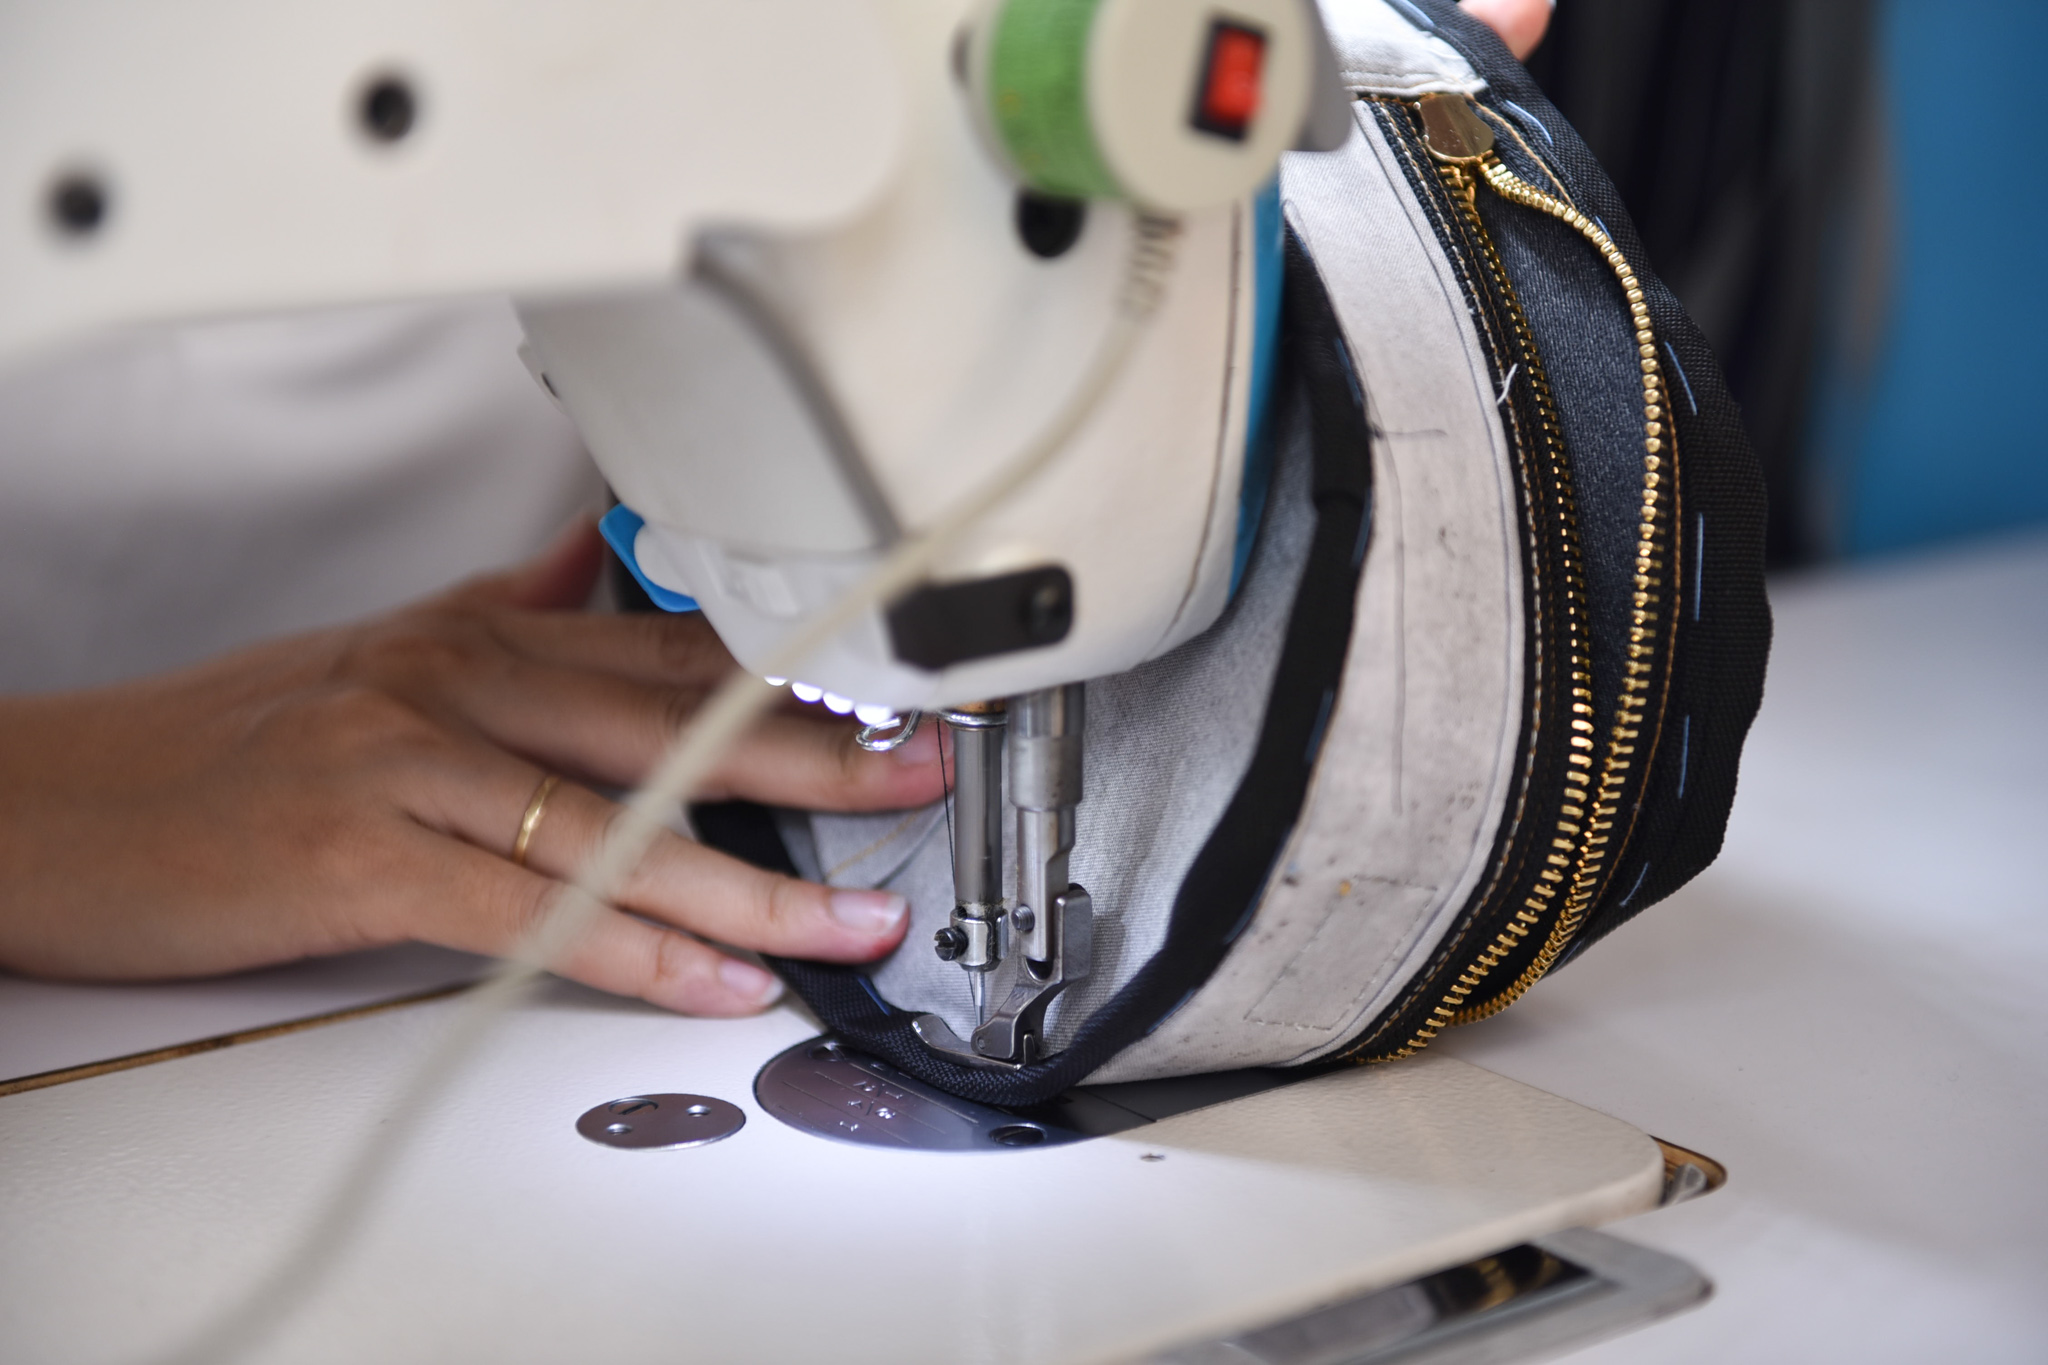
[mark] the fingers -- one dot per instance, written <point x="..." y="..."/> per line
<point x="481" y="796"/>
<point x="813" y="763"/>
<point x="686" y="885"/>
<point x="479" y="903"/>
<point x="1520" y="23"/>
<point x="614" y="730"/>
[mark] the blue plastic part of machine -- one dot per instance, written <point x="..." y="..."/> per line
<point x="1268" y="257"/>
<point x="621" y="528"/>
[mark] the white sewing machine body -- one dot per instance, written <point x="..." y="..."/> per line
<point x="764" y="258"/>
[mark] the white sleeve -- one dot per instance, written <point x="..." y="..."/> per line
<point x="167" y="496"/>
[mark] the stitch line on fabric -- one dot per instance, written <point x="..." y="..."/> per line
<point x="1398" y="518"/>
<point x="1370" y="83"/>
<point x="1330" y="917"/>
<point x="1507" y="126"/>
<point x="1576" y="839"/>
<point x="894" y="832"/>
<point x="1495" y="856"/>
<point x="1454" y="253"/>
<point x="1588" y="879"/>
<point x="1430" y="195"/>
<point x="1457" y="252"/>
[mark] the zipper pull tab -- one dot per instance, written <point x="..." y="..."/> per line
<point x="1457" y="137"/>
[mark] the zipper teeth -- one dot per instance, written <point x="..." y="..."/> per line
<point x="1638" y="663"/>
<point x="1558" y="873"/>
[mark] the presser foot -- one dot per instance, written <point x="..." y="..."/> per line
<point x="936" y="1034"/>
<point x="1013" y="1036"/>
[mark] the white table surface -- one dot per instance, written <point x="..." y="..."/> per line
<point x="1850" y="1008"/>
<point x="136" y="1207"/>
<point x="1845" y="1009"/>
<point x="50" y="1026"/>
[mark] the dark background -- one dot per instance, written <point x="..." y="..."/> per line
<point x="1831" y="189"/>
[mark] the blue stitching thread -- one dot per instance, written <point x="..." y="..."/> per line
<point x="1641" y="877"/>
<point x="1315" y="737"/>
<point x="1684" y="755"/>
<point x="865" y="984"/>
<point x="1415" y="16"/>
<point x="1529" y="118"/>
<point x="1699" y="562"/>
<point x="1676" y="365"/>
<point x="1160" y="1022"/>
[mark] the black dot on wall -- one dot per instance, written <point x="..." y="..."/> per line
<point x="78" y="204"/>
<point x="389" y="109"/>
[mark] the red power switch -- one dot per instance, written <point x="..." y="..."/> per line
<point x="1228" y="98"/>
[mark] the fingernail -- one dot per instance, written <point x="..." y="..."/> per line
<point x="869" y="912"/>
<point x="744" y="978"/>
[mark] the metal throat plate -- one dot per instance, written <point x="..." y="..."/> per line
<point x="829" y="1089"/>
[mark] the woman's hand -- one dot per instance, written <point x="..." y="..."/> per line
<point x="364" y="786"/>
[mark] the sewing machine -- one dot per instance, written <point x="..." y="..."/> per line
<point x="806" y="273"/>
<point x="794" y="317"/>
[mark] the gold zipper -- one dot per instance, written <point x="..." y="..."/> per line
<point x="1653" y="516"/>
<point x="1461" y="142"/>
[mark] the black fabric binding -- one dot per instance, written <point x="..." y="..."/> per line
<point x="1222" y="888"/>
<point x="1723" y="623"/>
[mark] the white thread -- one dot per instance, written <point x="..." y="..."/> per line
<point x="738" y="701"/>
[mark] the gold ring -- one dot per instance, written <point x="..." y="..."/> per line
<point x="530" y="821"/>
